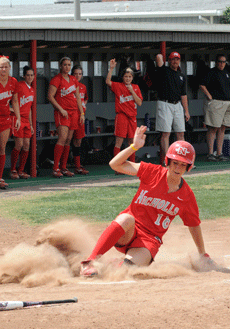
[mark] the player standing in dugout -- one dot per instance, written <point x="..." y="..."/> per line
<point x="78" y="134"/>
<point x="8" y="93"/>
<point x="127" y="98"/>
<point x="64" y="95"/>
<point x="23" y="135"/>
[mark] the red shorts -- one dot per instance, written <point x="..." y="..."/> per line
<point x="142" y="240"/>
<point x="24" y="131"/>
<point x="72" y="121"/>
<point x="125" y="126"/>
<point x="80" y="132"/>
<point x="5" y="123"/>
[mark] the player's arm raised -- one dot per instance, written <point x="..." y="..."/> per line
<point x="111" y="68"/>
<point x="119" y="162"/>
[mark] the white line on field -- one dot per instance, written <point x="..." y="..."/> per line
<point x="226" y="281"/>
<point x="115" y="282"/>
<point x="226" y="255"/>
<point x="54" y="188"/>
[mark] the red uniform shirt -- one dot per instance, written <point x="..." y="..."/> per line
<point x="124" y="101"/>
<point x="6" y="94"/>
<point x="65" y="95"/>
<point x="83" y="94"/>
<point x="25" y="99"/>
<point x="154" y="209"/>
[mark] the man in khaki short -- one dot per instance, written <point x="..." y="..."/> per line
<point x="172" y="105"/>
<point x="216" y="87"/>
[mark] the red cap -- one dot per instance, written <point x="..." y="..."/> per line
<point x="174" y="54"/>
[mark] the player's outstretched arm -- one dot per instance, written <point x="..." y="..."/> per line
<point x="113" y="64"/>
<point x="119" y="162"/>
<point x="197" y="236"/>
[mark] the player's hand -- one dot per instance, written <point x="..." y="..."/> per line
<point x="139" y="137"/>
<point x="18" y="124"/>
<point x="32" y="130"/>
<point x="82" y="119"/>
<point x="208" y="264"/>
<point x="113" y="63"/>
<point x="130" y="88"/>
<point x="64" y="113"/>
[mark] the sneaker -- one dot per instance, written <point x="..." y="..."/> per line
<point x="23" y="175"/>
<point x="67" y="173"/>
<point x="3" y="184"/>
<point x="57" y="173"/>
<point x="211" y="157"/>
<point x="81" y="171"/>
<point x="87" y="269"/>
<point x="14" y="174"/>
<point x="221" y="157"/>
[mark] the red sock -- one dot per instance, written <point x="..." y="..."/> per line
<point x="116" y="150"/>
<point x="107" y="240"/>
<point x="2" y="164"/>
<point x="64" y="157"/>
<point x="77" y="161"/>
<point x="57" y="155"/>
<point x="14" y="158"/>
<point x="22" y="160"/>
<point x="132" y="157"/>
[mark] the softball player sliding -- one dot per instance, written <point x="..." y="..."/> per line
<point x="163" y="193"/>
<point x="8" y="93"/>
<point x="23" y="135"/>
<point x="127" y="97"/>
<point x="77" y="72"/>
<point x="64" y="95"/>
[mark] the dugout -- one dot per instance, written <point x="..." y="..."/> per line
<point x="43" y="39"/>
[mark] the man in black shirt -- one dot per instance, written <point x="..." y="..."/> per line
<point x="216" y="87"/>
<point x="172" y="104"/>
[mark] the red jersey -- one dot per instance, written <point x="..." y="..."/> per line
<point x="25" y="98"/>
<point x="124" y="101"/>
<point x="6" y="94"/>
<point x="83" y="94"/>
<point x="154" y="209"/>
<point x="65" y="95"/>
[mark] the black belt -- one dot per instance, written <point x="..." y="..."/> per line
<point x="168" y="101"/>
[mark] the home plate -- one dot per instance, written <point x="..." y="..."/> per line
<point x="114" y="282"/>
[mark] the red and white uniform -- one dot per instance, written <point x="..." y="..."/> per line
<point x="154" y="208"/>
<point x="66" y="98"/>
<point x="25" y="100"/>
<point x="80" y="132"/>
<point x="6" y="94"/>
<point x="126" y="109"/>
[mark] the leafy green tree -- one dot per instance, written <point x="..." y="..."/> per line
<point x="226" y="16"/>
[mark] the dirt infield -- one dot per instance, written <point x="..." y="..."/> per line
<point x="168" y="294"/>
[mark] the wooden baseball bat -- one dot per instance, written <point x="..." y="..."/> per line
<point x="12" y="305"/>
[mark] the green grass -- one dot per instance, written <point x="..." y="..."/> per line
<point x="104" y="203"/>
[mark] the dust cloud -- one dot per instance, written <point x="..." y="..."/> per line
<point x="55" y="259"/>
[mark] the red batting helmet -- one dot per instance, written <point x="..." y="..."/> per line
<point x="181" y="151"/>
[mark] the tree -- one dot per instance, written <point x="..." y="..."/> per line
<point x="226" y="16"/>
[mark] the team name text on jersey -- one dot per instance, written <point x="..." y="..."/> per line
<point x="65" y="92"/>
<point x="6" y="94"/>
<point x="165" y="206"/>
